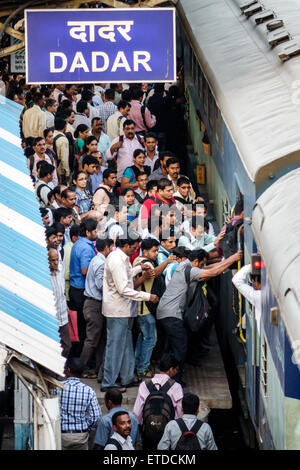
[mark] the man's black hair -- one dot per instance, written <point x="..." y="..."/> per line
<point x="136" y="93"/>
<point x="46" y="169"/>
<point x="128" y="122"/>
<point x="87" y="95"/>
<point x="150" y="135"/>
<point x="50" y="231"/>
<point x="151" y="184"/>
<point x="149" y="243"/>
<point x="87" y="225"/>
<point x="165" y="153"/>
<point x="59" y="227"/>
<point x="75" y="365"/>
<point x="102" y="243"/>
<point x="81" y="106"/>
<point x="37" y="140"/>
<point x="109" y="94"/>
<point x="190" y="403"/>
<point x="64" y="193"/>
<point x="200" y="255"/>
<point x="49" y="102"/>
<point x="163" y="183"/>
<point x="167" y="361"/>
<point x="50" y="195"/>
<point x="59" y="124"/>
<point x="159" y="88"/>
<point x="74" y="231"/>
<point x="239" y="207"/>
<point x="108" y="172"/>
<point x="37" y="97"/>
<point x="116" y="415"/>
<point x="172" y="161"/>
<point x="181" y="252"/>
<point x="121" y="242"/>
<point x="43" y="211"/>
<point x="122" y="104"/>
<point x="89" y="160"/>
<point x="61" y="212"/>
<point x="114" y="395"/>
<point x="142" y="173"/>
<point x="182" y="180"/>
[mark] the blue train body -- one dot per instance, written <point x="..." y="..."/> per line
<point x="240" y="161"/>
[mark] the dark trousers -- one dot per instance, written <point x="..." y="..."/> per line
<point x="177" y="338"/>
<point x="95" y="340"/>
<point x="65" y="341"/>
<point x="76" y="303"/>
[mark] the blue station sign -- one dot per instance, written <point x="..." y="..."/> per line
<point x="100" y="45"/>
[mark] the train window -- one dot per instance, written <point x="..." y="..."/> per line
<point x="211" y="116"/>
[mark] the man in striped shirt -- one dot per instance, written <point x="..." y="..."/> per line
<point x="79" y="408"/>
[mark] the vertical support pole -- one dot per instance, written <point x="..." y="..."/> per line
<point x="23" y="417"/>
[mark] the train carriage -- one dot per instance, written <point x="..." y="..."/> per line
<point x="242" y="78"/>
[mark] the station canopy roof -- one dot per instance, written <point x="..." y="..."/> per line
<point x="28" y="322"/>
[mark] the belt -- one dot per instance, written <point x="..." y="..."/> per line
<point x="74" y="432"/>
<point x="92" y="298"/>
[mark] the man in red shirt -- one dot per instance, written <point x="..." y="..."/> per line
<point x="164" y="195"/>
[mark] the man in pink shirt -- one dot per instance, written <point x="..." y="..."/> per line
<point x="122" y="148"/>
<point x="139" y="113"/>
<point x="164" y="195"/>
<point x="168" y="368"/>
<point x="40" y="154"/>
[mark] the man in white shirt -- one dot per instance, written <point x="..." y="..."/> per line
<point x="118" y="294"/>
<point x="113" y="227"/>
<point x="151" y="150"/>
<point x="114" y="124"/>
<point x="121" y="439"/>
<point x="34" y="119"/>
<point x="82" y="115"/>
<point x="58" y="285"/>
<point x="251" y="293"/>
<point x="51" y="108"/>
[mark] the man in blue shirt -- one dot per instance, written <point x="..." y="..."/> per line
<point x="83" y="251"/>
<point x="113" y="402"/>
<point x="79" y="408"/>
<point x="92" y="310"/>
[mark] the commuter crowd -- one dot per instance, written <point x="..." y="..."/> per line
<point x="132" y="256"/>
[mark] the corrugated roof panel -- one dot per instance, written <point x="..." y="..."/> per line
<point x="27" y="307"/>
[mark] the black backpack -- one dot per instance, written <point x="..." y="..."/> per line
<point x="157" y="412"/>
<point x="196" y="307"/>
<point x="114" y="442"/>
<point x="38" y="191"/>
<point x="229" y="242"/>
<point x="188" y="439"/>
<point x="158" y="288"/>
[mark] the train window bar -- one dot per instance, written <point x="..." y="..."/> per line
<point x="288" y="50"/>
<point x="278" y="36"/>
<point x="264" y="16"/>
<point x="248" y="4"/>
<point x="256" y="8"/>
